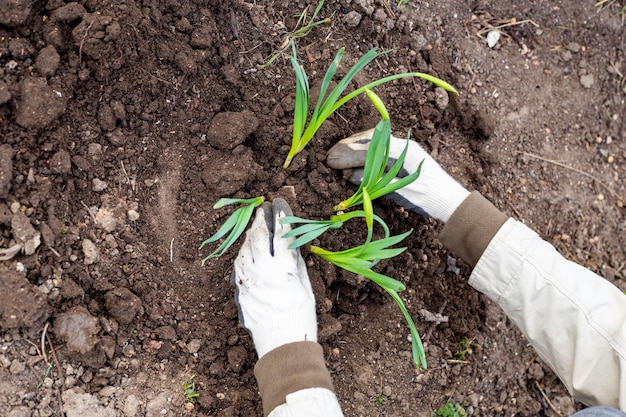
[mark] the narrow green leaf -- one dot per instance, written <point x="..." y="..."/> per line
<point x="378" y="103"/>
<point x="369" y="215"/>
<point x="225" y="228"/>
<point x="437" y="81"/>
<point x="330" y="73"/>
<point x="419" y="356"/>
<point x="227" y="201"/>
<point x="234" y="225"/>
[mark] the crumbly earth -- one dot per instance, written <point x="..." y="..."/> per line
<point x="123" y="121"/>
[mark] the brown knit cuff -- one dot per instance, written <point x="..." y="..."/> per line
<point x="290" y="368"/>
<point x="471" y="227"/>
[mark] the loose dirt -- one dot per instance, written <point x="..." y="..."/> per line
<point x="122" y="122"/>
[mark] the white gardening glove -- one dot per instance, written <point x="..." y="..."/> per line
<point x="273" y="291"/>
<point x="434" y="193"/>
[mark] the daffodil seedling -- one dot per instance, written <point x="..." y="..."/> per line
<point x="360" y="260"/>
<point x="235" y="224"/>
<point x="326" y="105"/>
<point x="375" y="181"/>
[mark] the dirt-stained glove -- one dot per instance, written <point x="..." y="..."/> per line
<point x="434" y="193"/>
<point x="272" y="287"/>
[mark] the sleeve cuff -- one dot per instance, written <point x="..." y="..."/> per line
<point x="290" y="368"/>
<point x="471" y="227"/>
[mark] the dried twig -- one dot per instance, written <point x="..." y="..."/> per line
<point x="562" y="165"/>
<point x="43" y="342"/>
<point x="545" y="397"/>
<point x="504" y="25"/>
<point x="93" y="217"/>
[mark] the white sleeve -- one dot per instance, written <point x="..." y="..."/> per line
<point x="310" y="402"/>
<point x="575" y="320"/>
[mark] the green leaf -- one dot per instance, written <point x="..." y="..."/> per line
<point x="234" y="225"/>
<point x="378" y="103"/>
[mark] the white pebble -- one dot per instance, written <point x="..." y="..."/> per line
<point x="493" y="37"/>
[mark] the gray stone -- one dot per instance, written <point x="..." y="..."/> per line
<point x="90" y="251"/>
<point x="79" y="404"/>
<point x="78" y="329"/>
<point x="587" y="80"/>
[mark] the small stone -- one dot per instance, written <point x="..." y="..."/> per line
<point x="99" y="185"/>
<point x="61" y="162"/>
<point x="166" y="332"/>
<point x="587" y="80"/>
<point x="441" y="98"/>
<point x="610" y="159"/>
<point x="123" y="305"/>
<point x="220" y="396"/>
<point x="194" y="345"/>
<point x="573" y="47"/>
<point x="78" y="329"/>
<point x="131" y="406"/>
<point x="17" y="367"/>
<point x="600" y="197"/>
<point x="90" y="251"/>
<point x="107" y="391"/>
<point x="78" y="404"/>
<point x="352" y="19"/>
<point x="133" y="216"/>
<point x="24" y="233"/>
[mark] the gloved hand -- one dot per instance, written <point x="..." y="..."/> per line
<point x="272" y="287"/>
<point x="434" y="193"/>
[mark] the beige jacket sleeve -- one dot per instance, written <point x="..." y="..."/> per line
<point x="575" y="319"/>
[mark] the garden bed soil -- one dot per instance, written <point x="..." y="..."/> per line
<point x="122" y="122"/>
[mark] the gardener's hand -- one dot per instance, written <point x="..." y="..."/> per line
<point x="434" y="193"/>
<point x="273" y="291"/>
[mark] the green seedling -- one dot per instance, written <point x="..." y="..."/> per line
<point x="235" y="224"/>
<point x="360" y="260"/>
<point x="45" y="375"/>
<point x="189" y="390"/>
<point x="450" y="409"/>
<point x="375" y="181"/>
<point x="311" y="229"/>
<point x="303" y="27"/>
<point x="465" y="349"/>
<point x="326" y="105"/>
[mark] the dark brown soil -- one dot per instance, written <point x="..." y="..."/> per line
<point x="122" y="122"/>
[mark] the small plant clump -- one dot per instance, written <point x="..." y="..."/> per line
<point x="326" y="105"/>
<point x="189" y="391"/>
<point x="450" y="409"/>
<point x="303" y="27"/>
<point x="235" y="224"/>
